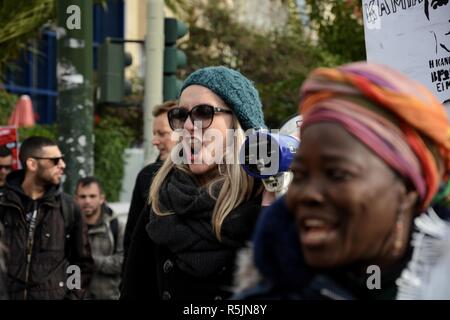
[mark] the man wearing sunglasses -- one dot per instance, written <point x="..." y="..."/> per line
<point x="5" y="165"/>
<point x="44" y="230"/>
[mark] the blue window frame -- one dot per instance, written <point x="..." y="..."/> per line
<point x="35" y="71"/>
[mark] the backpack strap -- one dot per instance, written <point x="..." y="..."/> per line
<point x="114" y="226"/>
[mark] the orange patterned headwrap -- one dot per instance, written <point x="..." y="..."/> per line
<point x="396" y="117"/>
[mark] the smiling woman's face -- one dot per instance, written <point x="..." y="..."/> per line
<point x="349" y="206"/>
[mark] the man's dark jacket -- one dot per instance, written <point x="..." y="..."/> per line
<point x="45" y="275"/>
<point x="139" y="201"/>
<point x="3" y="290"/>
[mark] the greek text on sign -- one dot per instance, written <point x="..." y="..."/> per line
<point x="412" y="36"/>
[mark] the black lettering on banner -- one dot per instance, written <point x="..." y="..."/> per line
<point x="440" y="75"/>
<point x="384" y="8"/>
<point x="398" y="3"/>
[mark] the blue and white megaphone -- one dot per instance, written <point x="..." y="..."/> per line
<point x="268" y="155"/>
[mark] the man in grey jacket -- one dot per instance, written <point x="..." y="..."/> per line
<point x="106" y="238"/>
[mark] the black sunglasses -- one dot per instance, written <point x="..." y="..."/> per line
<point x="201" y="113"/>
<point x="5" y="167"/>
<point x="54" y="160"/>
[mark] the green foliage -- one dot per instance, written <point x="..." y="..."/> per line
<point x="277" y="62"/>
<point x="7" y="102"/>
<point x="131" y="117"/>
<point x="111" y="139"/>
<point x="48" y="131"/>
<point x="22" y="17"/>
<point x="176" y="6"/>
<point x="21" y="21"/>
<point x="340" y="29"/>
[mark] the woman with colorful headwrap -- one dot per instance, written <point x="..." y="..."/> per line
<point x="374" y="151"/>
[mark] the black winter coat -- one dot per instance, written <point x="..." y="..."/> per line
<point x="151" y="271"/>
<point x="45" y="275"/>
<point x="138" y="201"/>
<point x="3" y="289"/>
<point x="286" y="276"/>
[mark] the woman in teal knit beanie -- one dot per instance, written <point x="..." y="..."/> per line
<point x="201" y="212"/>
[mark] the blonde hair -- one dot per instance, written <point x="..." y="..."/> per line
<point x="236" y="186"/>
<point x="164" y="107"/>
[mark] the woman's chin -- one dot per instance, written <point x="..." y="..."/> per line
<point x="320" y="261"/>
<point x="322" y="257"/>
<point x="199" y="169"/>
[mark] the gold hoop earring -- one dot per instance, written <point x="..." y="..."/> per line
<point x="398" y="237"/>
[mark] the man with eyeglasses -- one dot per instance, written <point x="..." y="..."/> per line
<point x="5" y="165"/>
<point x="43" y="229"/>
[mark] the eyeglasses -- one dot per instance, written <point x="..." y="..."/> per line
<point x="201" y="113"/>
<point x="54" y="160"/>
<point x="3" y="167"/>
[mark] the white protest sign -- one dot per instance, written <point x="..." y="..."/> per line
<point x="412" y="36"/>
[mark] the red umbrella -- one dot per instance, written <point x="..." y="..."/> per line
<point x="22" y="115"/>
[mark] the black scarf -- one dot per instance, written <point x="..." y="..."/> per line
<point x="188" y="233"/>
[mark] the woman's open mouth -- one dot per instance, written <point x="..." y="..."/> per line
<point x="195" y="147"/>
<point x="317" y="232"/>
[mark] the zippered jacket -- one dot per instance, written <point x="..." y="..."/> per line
<point x="54" y="260"/>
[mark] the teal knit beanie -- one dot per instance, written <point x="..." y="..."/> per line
<point x="234" y="89"/>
